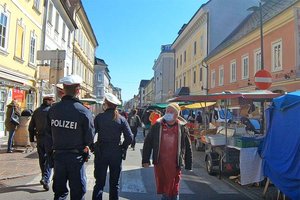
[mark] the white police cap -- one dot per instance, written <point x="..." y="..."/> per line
<point x="71" y="80"/>
<point x="112" y="99"/>
<point x="48" y="96"/>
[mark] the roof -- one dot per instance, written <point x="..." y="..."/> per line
<point x="143" y="83"/>
<point x="258" y="95"/>
<point x="270" y="9"/>
<point x="185" y="25"/>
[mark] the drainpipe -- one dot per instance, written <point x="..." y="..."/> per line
<point x="206" y="116"/>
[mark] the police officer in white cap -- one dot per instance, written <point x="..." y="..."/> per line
<point x="109" y="151"/>
<point x="71" y="128"/>
<point x="37" y="130"/>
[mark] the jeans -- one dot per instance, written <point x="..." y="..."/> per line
<point x="10" y="140"/>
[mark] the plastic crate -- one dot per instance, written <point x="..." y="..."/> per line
<point x="245" y="142"/>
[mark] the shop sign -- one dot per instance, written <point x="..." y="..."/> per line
<point x="18" y="94"/>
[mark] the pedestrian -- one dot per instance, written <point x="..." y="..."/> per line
<point x="109" y="150"/>
<point x="199" y="118"/>
<point x="169" y="143"/>
<point x="71" y="128"/>
<point x="37" y="133"/>
<point x="12" y="109"/>
<point x="134" y="123"/>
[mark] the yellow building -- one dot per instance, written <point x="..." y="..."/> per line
<point x="20" y="36"/>
<point x="84" y="46"/>
<point x="149" y="92"/>
<point x="209" y="26"/>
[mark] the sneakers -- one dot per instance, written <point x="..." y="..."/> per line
<point x="9" y="151"/>
<point x="45" y="185"/>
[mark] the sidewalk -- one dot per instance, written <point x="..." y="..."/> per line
<point x="22" y="162"/>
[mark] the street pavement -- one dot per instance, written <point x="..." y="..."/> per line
<point x="20" y="176"/>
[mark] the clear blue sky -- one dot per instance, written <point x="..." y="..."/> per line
<point x="131" y="32"/>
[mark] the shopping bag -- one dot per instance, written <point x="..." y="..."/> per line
<point x="14" y="118"/>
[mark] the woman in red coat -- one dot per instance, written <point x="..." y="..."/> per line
<point x="171" y="145"/>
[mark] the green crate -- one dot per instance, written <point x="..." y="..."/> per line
<point x="245" y="142"/>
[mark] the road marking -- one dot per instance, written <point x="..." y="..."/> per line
<point x="90" y="177"/>
<point x="131" y="180"/>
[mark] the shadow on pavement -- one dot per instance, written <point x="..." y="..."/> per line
<point x="24" y="188"/>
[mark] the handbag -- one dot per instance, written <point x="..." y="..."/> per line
<point x="14" y="118"/>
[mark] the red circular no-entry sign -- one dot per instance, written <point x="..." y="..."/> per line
<point x="263" y="79"/>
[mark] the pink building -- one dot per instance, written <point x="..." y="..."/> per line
<point x="233" y="64"/>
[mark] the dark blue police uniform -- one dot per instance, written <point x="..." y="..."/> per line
<point x="37" y="128"/>
<point x="109" y="150"/>
<point x="72" y="129"/>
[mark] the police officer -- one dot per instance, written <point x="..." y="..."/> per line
<point x="37" y="129"/>
<point x="72" y="131"/>
<point x="109" y="150"/>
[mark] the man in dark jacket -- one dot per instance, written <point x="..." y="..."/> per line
<point x="170" y="145"/>
<point x="71" y="129"/>
<point x="134" y="122"/>
<point x="37" y="129"/>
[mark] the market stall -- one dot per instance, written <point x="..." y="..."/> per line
<point x="281" y="147"/>
<point x="230" y="148"/>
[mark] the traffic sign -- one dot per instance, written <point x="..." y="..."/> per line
<point x="263" y="79"/>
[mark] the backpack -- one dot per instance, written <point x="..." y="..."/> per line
<point x="133" y="121"/>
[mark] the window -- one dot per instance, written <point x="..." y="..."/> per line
<point x="30" y="101"/>
<point x="277" y="56"/>
<point x="201" y="43"/>
<point x="221" y="76"/>
<point x="3" y="29"/>
<point x="177" y="63"/>
<point x="179" y="82"/>
<point x="100" y="77"/>
<point x="56" y="22"/>
<point x="257" y="61"/>
<point x="19" y="50"/>
<point x="195" y="48"/>
<point x="36" y="4"/>
<point x="194" y="76"/>
<point x="32" y="47"/>
<point x="184" y="57"/>
<point x="245" y="67"/>
<point x="201" y="74"/>
<point x="233" y="71"/>
<point x="50" y="13"/>
<point x="63" y="36"/>
<point x="213" y="78"/>
<point x="184" y="80"/>
<point x="69" y="38"/>
<point x="180" y="59"/>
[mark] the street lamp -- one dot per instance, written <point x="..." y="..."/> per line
<point x="256" y="8"/>
<point x="259" y="8"/>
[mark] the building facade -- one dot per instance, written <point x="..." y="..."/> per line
<point x="142" y="94"/>
<point x="57" y="38"/>
<point x="209" y="26"/>
<point x="232" y="65"/>
<point x="101" y="79"/>
<point x="84" y="46"/>
<point x="149" y="92"/>
<point x="20" y="35"/>
<point x="164" y="74"/>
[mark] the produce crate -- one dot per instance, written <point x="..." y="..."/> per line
<point x="245" y="142"/>
<point x="209" y="131"/>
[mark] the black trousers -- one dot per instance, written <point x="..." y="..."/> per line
<point x="134" y="132"/>
<point x="107" y="156"/>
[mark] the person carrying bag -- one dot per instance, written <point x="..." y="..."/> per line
<point x="11" y="122"/>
